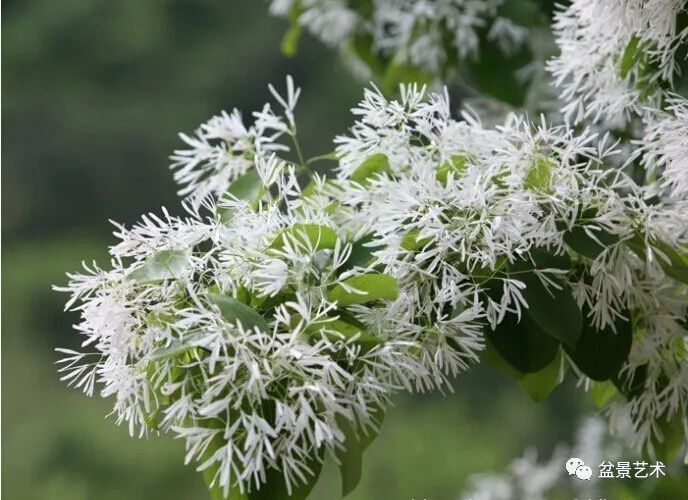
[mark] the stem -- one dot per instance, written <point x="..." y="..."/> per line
<point x="326" y="157"/>
<point x="297" y="148"/>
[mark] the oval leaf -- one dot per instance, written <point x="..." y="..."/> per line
<point x="311" y="235"/>
<point x="581" y="242"/>
<point x="600" y="354"/>
<point x="350" y="457"/>
<point x="165" y="264"/>
<point x="373" y="165"/>
<point x="365" y="288"/>
<point x="523" y="345"/>
<point x="341" y="330"/>
<point x="234" y="311"/>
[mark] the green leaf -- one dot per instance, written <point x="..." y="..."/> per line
<point x="494" y="73"/>
<point x="521" y="12"/>
<point x="371" y="166"/>
<point x="412" y="242"/>
<point x="366" y="438"/>
<point x="311" y="235"/>
<point x="539" y="176"/>
<point x="600" y="354"/>
<point x="350" y="457"/>
<point x="398" y="73"/>
<point x="631" y="56"/>
<point x="539" y="385"/>
<point x="677" y="265"/>
<point x="456" y="165"/>
<point x="554" y="311"/>
<point x="670" y="441"/>
<point x="234" y="311"/>
<point x="248" y="187"/>
<point x="344" y="330"/>
<point x="580" y="242"/>
<point x="361" y="253"/>
<point x="494" y="360"/>
<point x="523" y="345"/>
<point x="602" y="392"/>
<point x="216" y="491"/>
<point x="362" y="45"/>
<point x="369" y="287"/>
<point x="174" y="348"/>
<point x="290" y="40"/>
<point x="633" y="385"/>
<point x="165" y="264"/>
<point x="557" y="313"/>
<point x="275" y="488"/>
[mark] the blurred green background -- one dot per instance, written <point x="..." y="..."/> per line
<point x="94" y="94"/>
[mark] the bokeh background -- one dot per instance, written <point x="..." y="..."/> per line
<point x="94" y="94"/>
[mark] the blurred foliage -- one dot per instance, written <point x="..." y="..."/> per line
<point x="96" y="91"/>
<point x="94" y="94"/>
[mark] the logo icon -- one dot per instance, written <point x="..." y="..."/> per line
<point x="577" y="466"/>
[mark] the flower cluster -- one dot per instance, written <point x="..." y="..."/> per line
<point x="618" y="57"/>
<point x="272" y="323"/>
<point x="473" y="222"/>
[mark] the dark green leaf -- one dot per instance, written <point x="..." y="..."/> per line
<point x="361" y="253"/>
<point x="522" y="12"/>
<point x="495" y="73"/>
<point x="600" y="354"/>
<point x="523" y="345"/>
<point x="371" y="166"/>
<point x="631" y="386"/>
<point x="554" y="311"/>
<point x="369" y="287"/>
<point x="579" y="240"/>
<point x="490" y="355"/>
<point x="674" y="263"/>
<point x="234" y="311"/>
<point x="166" y="264"/>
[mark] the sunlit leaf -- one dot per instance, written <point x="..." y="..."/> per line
<point x="165" y="264"/>
<point x="371" y="166"/>
<point x="368" y="287"/>
<point x="539" y="385"/>
<point x="312" y="235"/>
